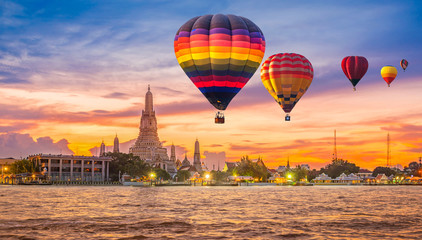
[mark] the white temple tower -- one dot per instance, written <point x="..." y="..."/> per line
<point x="148" y="146"/>
<point x="116" y="144"/>
<point x="102" y="149"/>
<point x="197" y="157"/>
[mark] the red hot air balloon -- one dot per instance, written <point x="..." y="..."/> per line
<point x="354" y="67"/>
<point x="403" y="64"/>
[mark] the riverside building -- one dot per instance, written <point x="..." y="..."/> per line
<point x="73" y="168"/>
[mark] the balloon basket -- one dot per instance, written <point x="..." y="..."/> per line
<point x="287" y="118"/>
<point x="219" y="118"/>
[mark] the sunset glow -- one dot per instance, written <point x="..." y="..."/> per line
<point x="69" y="81"/>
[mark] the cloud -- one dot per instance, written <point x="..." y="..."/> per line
<point x="117" y="95"/>
<point x="214" y="160"/>
<point x="52" y="113"/>
<point x="16" y="127"/>
<point x="21" y="145"/>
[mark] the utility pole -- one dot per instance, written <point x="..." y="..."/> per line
<point x="335" y="145"/>
<point x="388" y="150"/>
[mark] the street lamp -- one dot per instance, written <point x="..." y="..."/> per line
<point x="2" y="175"/>
<point x="207" y="176"/>
<point x="152" y="175"/>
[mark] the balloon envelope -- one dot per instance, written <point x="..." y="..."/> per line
<point x="287" y="76"/>
<point x="404" y="63"/>
<point x="389" y="73"/>
<point x="219" y="53"/>
<point x="354" y="67"/>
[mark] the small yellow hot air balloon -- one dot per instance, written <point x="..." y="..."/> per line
<point x="389" y="73"/>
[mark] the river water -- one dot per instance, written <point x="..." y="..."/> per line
<point x="264" y="212"/>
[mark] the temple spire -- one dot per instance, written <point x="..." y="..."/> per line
<point x="116" y="147"/>
<point x="148" y="101"/>
<point x="197" y="157"/>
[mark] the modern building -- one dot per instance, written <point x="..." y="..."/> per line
<point x="73" y="168"/>
<point x="148" y="146"/>
<point x="116" y="145"/>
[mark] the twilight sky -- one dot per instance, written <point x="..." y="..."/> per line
<point x="74" y="73"/>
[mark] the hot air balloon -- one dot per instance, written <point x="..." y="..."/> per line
<point x="403" y="64"/>
<point x="287" y="76"/>
<point x="389" y="73"/>
<point x="354" y="67"/>
<point x="219" y="53"/>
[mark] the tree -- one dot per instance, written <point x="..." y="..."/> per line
<point x="312" y="174"/>
<point x="247" y="167"/>
<point x="183" y="175"/>
<point x="219" y="176"/>
<point x="415" y="169"/>
<point x="339" y="166"/>
<point x="383" y="170"/>
<point x="161" y="174"/>
<point x="299" y="172"/>
<point x="22" y="166"/>
<point x="127" y="163"/>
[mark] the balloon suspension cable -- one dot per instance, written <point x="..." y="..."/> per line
<point x="219" y="118"/>
<point x="287" y="118"/>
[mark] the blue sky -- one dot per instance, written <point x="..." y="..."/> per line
<point x="92" y="60"/>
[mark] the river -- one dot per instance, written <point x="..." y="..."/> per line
<point x="264" y="212"/>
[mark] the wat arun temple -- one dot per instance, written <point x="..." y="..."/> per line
<point x="149" y="148"/>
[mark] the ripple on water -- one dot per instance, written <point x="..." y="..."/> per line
<point x="338" y="212"/>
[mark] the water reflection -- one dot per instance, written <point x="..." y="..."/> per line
<point x="115" y="212"/>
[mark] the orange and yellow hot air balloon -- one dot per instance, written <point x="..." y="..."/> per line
<point x="287" y="76"/>
<point x="389" y="73"/>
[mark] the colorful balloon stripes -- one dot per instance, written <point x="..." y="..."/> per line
<point x="219" y="53"/>
<point x="389" y="73"/>
<point x="287" y="76"/>
<point x="403" y="64"/>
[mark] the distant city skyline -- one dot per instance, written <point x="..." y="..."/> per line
<point x="75" y="73"/>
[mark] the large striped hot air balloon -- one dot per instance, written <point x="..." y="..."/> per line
<point x="219" y="53"/>
<point x="389" y="73"/>
<point x="404" y="63"/>
<point x="287" y="76"/>
<point x="354" y="67"/>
